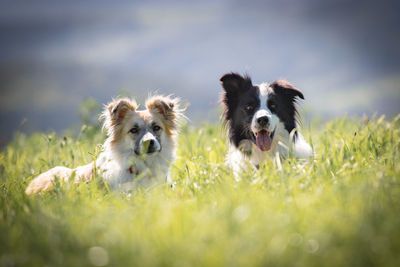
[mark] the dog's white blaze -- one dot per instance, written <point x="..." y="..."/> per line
<point x="264" y="110"/>
<point x="264" y="93"/>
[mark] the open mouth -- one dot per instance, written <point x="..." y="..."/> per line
<point x="264" y="139"/>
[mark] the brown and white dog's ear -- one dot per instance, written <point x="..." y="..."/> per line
<point x="114" y="112"/>
<point x="286" y="88"/>
<point x="117" y="109"/>
<point x="167" y="109"/>
<point x="233" y="83"/>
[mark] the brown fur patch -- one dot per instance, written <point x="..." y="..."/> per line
<point x="114" y="114"/>
<point x="145" y="115"/>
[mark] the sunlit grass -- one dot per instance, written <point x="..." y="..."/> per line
<point x="340" y="209"/>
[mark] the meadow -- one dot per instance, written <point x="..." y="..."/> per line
<point x="341" y="208"/>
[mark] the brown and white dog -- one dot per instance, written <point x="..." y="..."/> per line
<point x="261" y="121"/>
<point x="139" y="148"/>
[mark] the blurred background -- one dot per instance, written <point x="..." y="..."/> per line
<point x="56" y="55"/>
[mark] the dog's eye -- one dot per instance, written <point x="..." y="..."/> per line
<point x="249" y="107"/>
<point x="156" y="128"/>
<point x="134" y="130"/>
<point x="272" y="106"/>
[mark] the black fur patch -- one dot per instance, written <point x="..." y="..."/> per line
<point x="240" y="101"/>
<point x="285" y="97"/>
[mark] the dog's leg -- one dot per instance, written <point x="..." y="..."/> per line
<point x="84" y="173"/>
<point x="277" y="161"/>
<point x="235" y="161"/>
<point x="302" y="150"/>
<point x="46" y="180"/>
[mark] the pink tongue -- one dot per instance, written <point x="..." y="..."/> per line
<point x="263" y="141"/>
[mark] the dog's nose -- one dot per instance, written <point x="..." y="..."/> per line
<point x="151" y="146"/>
<point x="263" y="121"/>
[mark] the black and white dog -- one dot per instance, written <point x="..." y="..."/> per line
<point x="261" y="121"/>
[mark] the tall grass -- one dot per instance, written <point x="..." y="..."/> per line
<point x="341" y="208"/>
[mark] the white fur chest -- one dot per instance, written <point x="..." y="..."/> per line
<point x="127" y="172"/>
<point x="280" y="148"/>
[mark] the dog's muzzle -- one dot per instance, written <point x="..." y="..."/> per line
<point x="262" y="135"/>
<point x="148" y="145"/>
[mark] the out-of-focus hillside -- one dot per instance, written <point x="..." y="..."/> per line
<point x="55" y="54"/>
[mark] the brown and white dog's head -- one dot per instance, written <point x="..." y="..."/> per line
<point x="142" y="132"/>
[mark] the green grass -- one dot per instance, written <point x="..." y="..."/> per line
<point x="340" y="209"/>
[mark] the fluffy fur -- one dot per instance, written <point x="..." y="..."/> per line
<point x="261" y="121"/>
<point x="139" y="148"/>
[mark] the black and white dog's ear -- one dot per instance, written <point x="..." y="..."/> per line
<point x="286" y="88"/>
<point x="233" y="83"/>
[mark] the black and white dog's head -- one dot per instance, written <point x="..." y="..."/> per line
<point x="257" y="112"/>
